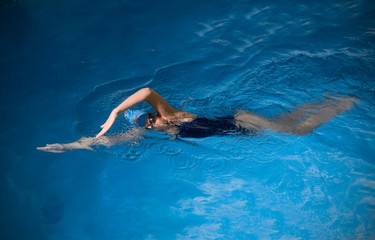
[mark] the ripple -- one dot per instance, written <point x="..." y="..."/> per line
<point x="250" y="152"/>
<point x="131" y="153"/>
<point x="213" y="164"/>
<point x="174" y="152"/>
<point x="225" y="150"/>
<point x="235" y="157"/>
<point x="183" y="163"/>
<point x="269" y="148"/>
<point x="170" y="150"/>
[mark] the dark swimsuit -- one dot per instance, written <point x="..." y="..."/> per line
<point x="203" y="127"/>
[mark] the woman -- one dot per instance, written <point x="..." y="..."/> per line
<point x="185" y="124"/>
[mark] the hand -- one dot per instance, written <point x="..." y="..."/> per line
<point x="54" y="148"/>
<point x="108" y="124"/>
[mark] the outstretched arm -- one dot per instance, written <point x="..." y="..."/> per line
<point x="160" y="105"/>
<point x="88" y="142"/>
<point x="63" y="147"/>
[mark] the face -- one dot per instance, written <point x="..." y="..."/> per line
<point x="150" y="120"/>
<point x="154" y="121"/>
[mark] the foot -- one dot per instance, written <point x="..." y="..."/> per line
<point x="54" y="148"/>
<point x="343" y="99"/>
<point x="346" y="103"/>
<point x="343" y="103"/>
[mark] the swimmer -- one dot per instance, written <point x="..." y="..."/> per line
<point x="178" y="123"/>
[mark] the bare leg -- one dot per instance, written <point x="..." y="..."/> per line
<point x="253" y="121"/>
<point x="88" y="142"/>
<point x="302" y="121"/>
<point x="322" y="113"/>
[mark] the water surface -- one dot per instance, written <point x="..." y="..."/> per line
<point x="65" y="65"/>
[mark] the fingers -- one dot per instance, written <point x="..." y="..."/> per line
<point x="101" y="133"/>
<point x="53" y="148"/>
<point x="107" y="125"/>
<point x="43" y="148"/>
<point x="47" y="149"/>
<point x="105" y="128"/>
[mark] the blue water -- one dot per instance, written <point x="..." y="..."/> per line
<point x="64" y="65"/>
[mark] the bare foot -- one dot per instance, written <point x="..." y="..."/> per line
<point x="54" y="148"/>
<point x="343" y="99"/>
<point x="343" y="103"/>
<point x="346" y="103"/>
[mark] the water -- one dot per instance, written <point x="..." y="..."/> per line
<point x="66" y="64"/>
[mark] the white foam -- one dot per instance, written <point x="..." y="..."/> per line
<point x="204" y="231"/>
<point x="245" y="46"/>
<point x="329" y="52"/>
<point x="211" y="26"/>
<point x="368" y="200"/>
<point x="256" y="11"/>
<point x="365" y="183"/>
<point x="207" y="29"/>
<point x="222" y="42"/>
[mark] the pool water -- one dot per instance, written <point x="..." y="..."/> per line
<point x="64" y="65"/>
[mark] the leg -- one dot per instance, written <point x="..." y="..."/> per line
<point x="253" y="121"/>
<point x="302" y="121"/>
<point x="312" y="115"/>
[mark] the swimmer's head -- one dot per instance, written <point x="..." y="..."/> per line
<point x="144" y="119"/>
<point x="136" y="117"/>
<point x="150" y="120"/>
<point x="141" y="118"/>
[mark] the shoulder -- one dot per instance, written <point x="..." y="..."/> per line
<point x="182" y="116"/>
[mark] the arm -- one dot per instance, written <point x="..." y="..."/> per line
<point x="63" y="147"/>
<point x="88" y="142"/>
<point x="160" y="105"/>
